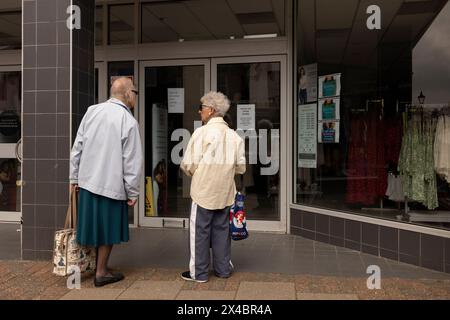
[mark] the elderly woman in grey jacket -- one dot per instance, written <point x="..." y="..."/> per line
<point x="105" y="165"/>
<point x="214" y="154"/>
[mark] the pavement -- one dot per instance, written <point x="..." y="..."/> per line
<point x="267" y="267"/>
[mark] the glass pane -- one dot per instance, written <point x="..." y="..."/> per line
<point x="10" y="106"/>
<point x="369" y="109"/>
<point x="98" y="25"/>
<point x="166" y="131"/>
<point x="121" y="24"/>
<point x="9" y="190"/>
<point x="164" y="21"/>
<point x="254" y="89"/>
<point x="10" y="30"/>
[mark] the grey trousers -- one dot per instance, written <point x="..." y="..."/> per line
<point x="209" y="229"/>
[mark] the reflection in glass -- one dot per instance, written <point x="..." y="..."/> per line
<point x="121" y="24"/>
<point x="98" y="25"/>
<point x="167" y="129"/>
<point x="10" y="106"/>
<point x="258" y="85"/>
<point x="9" y="191"/>
<point x="10" y="30"/>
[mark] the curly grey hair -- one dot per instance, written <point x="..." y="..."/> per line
<point x="218" y="101"/>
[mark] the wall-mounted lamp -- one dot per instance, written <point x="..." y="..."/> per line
<point x="421" y="97"/>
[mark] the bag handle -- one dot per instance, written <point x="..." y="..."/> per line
<point x="72" y="213"/>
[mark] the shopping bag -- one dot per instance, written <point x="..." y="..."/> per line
<point x="67" y="253"/>
<point x="238" y="223"/>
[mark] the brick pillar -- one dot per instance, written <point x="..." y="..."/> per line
<point x="58" y="86"/>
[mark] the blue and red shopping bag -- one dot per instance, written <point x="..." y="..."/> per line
<point x="238" y="223"/>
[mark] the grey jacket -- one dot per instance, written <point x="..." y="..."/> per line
<point x="106" y="157"/>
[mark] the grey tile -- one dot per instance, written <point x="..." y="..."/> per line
<point x="392" y="255"/>
<point x="45" y="238"/>
<point x="61" y="212"/>
<point x="28" y="238"/>
<point x="296" y="218"/>
<point x="46" y="148"/>
<point x="29" y="125"/>
<point x="447" y="251"/>
<point x="353" y="230"/>
<point x="46" y="33"/>
<point x="29" y="57"/>
<point x="336" y="227"/>
<point x="62" y="171"/>
<point x="63" y="104"/>
<point x="28" y="193"/>
<point x="46" y="79"/>
<point x="369" y="233"/>
<point x="447" y="268"/>
<point x="62" y="193"/>
<point x="29" y="101"/>
<point x="29" y="34"/>
<point x="45" y="216"/>
<point x="309" y="221"/>
<point x="29" y="255"/>
<point x="46" y="10"/>
<point x="46" y="56"/>
<point x="46" y="170"/>
<point x="63" y="33"/>
<point x="29" y="170"/>
<point x="322" y="238"/>
<point x="29" y="79"/>
<point x="369" y="249"/>
<point x="414" y="260"/>
<point x="353" y="245"/>
<point x="46" y="102"/>
<point x="432" y="251"/>
<point x="29" y="11"/>
<point x="29" y="147"/>
<point x="28" y="215"/>
<point x="389" y="238"/>
<point x="45" y="193"/>
<point x="308" y="234"/>
<point x="64" y="56"/>
<point x="337" y="241"/>
<point x="63" y="79"/>
<point x="323" y="224"/>
<point x="44" y="255"/>
<point x="46" y="125"/>
<point x="61" y="9"/>
<point x="409" y="243"/>
<point x="63" y="146"/>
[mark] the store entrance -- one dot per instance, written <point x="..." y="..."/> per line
<point x="170" y="93"/>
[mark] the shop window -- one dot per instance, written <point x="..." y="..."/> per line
<point x="372" y="112"/>
<point x="98" y="25"/>
<point x="211" y="20"/>
<point x="10" y="30"/>
<point x="121" y="24"/>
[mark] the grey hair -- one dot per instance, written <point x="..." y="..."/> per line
<point x="218" y="101"/>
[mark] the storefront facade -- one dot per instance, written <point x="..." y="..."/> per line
<point x="312" y="89"/>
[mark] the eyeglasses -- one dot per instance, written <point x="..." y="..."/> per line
<point x="200" y="107"/>
<point x="135" y="92"/>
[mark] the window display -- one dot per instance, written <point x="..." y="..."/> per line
<point x="383" y="142"/>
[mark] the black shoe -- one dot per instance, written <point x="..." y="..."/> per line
<point x="101" y="281"/>
<point x="187" y="276"/>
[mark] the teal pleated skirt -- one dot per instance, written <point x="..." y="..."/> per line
<point x="101" y="220"/>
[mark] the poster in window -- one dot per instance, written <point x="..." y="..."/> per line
<point x="246" y="116"/>
<point x="330" y="85"/>
<point x="329" y="109"/>
<point x="307" y="83"/>
<point x="328" y="131"/>
<point x="307" y="136"/>
<point x="175" y="100"/>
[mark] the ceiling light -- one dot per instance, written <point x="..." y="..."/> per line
<point x="258" y="36"/>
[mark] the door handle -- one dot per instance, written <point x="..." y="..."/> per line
<point x="19" y="150"/>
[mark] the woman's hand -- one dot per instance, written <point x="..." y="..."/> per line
<point x="131" y="203"/>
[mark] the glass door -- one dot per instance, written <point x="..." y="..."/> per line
<point x="256" y="87"/>
<point x="10" y="143"/>
<point x="170" y="93"/>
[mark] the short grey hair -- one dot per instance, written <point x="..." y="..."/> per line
<point x="218" y="101"/>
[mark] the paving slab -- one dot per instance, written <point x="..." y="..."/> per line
<point x="205" y="295"/>
<point x="325" y="296"/>
<point x="265" y="291"/>
<point x="152" y="290"/>
<point x="92" y="294"/>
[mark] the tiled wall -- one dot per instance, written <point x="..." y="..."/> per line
<point x="47" y="116"/>
<point x="405" y="246"/>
